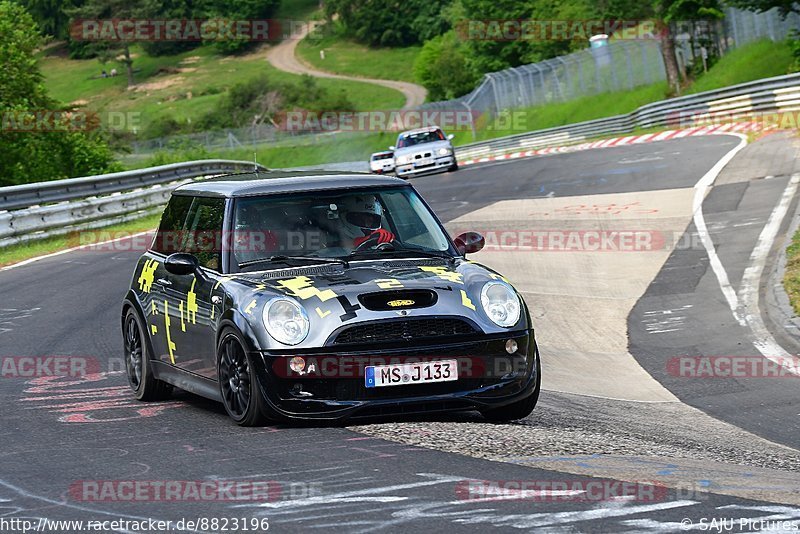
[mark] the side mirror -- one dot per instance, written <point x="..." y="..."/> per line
<point x="181" y="264"/>
<point x="392" y="147"/>
<point x="450" y="137"/>
<point x="469" y="242"/>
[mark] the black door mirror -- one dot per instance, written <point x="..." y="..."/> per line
<point x="470" y="242"/>
<point x="181" y="263"/>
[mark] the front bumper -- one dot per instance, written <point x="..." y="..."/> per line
<point x="488" y="378"/>
<point x="439" y="164"/>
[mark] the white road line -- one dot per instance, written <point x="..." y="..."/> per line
<point x="701" y="188"/>
<point x="744" y="305"/>
<point x="73" y="249"/>
<point x="748" y="292"/>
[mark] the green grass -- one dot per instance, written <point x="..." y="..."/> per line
<point x="188" y="94"/>
<point x="346" y="57"/>
<point x="761" y="59"/>
<point x="17" y="253"/>
<point x="561" y="113"/>
<point x="791" y="278"/>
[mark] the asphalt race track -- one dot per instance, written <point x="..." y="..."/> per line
<point x="608" y="324"/>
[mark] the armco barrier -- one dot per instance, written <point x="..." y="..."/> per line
<point x="23" y="196"/>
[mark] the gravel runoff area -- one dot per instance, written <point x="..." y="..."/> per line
<point x="668" y="441"/>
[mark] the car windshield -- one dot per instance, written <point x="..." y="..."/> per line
<point x="339" y="224"/>
<point x="418" y="138"/>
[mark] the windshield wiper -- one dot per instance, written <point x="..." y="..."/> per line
<point x="405" y="252"/>
<point x="287" y="259"/>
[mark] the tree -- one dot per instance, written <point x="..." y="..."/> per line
<point x="110" y="49"/>
<point x="50" y="15"/>
<point x="442" y="67"/>
<point x="672" y="11"/>
<point x="36" y="155"/>
<point x="784" y="6"/>
<point x="389" y="22"/>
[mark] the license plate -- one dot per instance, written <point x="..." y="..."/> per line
<point x="424" y="162"/>
<point x="411" y="373"/>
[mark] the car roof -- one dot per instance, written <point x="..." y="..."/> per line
<point x="420" y="130"/>
<point x="271" y="182"/>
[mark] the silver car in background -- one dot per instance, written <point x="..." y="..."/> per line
<point x="423" y="150"/>
<point x="381" y="162"/>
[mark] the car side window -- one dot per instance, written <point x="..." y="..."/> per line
<point x="169" y="236"/>
<point x="203" y="231"/>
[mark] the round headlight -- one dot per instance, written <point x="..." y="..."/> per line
<point x="286" y="320"/>
<point x="500" y="303"/>
<point x="444" y="151"/>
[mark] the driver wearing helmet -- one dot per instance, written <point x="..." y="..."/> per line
<point x="360" y="222"/>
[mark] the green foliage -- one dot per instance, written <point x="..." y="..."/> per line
<point x="389" y="22"/>
<point x="236" y="10"/>
<point x="443" y="68"/>
<point x="785" y="6"/>
<point x="37" y="155"/>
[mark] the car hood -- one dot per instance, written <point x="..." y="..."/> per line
<point x="336" y="297"/>
<point x="425" y="147"/>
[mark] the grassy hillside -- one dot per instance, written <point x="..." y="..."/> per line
<point x="761" y="59"/>
<point x="353" y="59"/>
<point x="185" y="86"/>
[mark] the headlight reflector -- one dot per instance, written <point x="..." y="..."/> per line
<point x="285" y="320"/>
<point x="501" y="303"/>
<point x="444" y="151"/>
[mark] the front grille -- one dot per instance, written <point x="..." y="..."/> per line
<point x="406" y="330"/>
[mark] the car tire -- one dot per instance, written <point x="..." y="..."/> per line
<point x="238" y="383"/>
<point x="520" y="409"/>
<point x="146" y="387"/>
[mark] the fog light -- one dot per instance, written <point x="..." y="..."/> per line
<point x="297" y="364"/>
<point x="511" y="346"/>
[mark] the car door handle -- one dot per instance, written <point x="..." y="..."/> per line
<point x="164" y="282"/>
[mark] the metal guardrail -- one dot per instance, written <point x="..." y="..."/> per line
<point x="770" y="95"/>
<point x="133" y="193"/>
<point x="23" y="196"/>
<point x="104" y="199"/>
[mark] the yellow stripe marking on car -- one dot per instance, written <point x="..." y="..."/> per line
<point x="153" y="329"/>
<point x="465" y="300"/>
<point x="170" y="344"/>
<point x="445" y="274"/>
<point x="498" y="277"/>
<point x="191" y="304"/>
<point x="148" y="275"/>
<point x="302" y="287"/>
<point x="249" y="309"/>
<point x="183" y="324"/>
<point x="322" y="314"/>
<point x="389" y="283"/>
<point x="153" y="308"/>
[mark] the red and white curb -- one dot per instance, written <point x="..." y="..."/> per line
<point x="738" y="127"/>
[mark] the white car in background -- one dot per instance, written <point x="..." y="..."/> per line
<point x="381" y="162"/>
<point x="424" y="150"/>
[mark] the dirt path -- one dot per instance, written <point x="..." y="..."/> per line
<point x="283" y="57"/>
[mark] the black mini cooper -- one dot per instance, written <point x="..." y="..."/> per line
<point x="323" y="296"/>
